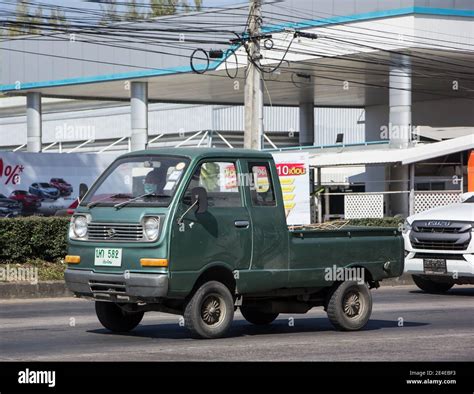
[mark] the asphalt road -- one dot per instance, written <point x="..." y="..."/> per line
<point x="433" y="328"/>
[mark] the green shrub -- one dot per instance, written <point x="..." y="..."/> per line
<point x="35" y="237"/>
<point x="384" y="222"/>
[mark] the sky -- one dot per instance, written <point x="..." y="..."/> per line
<point x="92" y="5"/>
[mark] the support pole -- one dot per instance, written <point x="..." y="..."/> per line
<point x="33" y="122"/>
<point x="400" y="84"/>
<point x="253" y="132"/>
<point x="306" y="112"/>
<point x="139" y="112"/>
<point x="412" y="189"/>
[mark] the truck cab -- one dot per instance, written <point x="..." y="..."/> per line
<point x="202" y="232"/>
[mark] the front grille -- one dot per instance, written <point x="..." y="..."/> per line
<point x="115" y="232"/>
<point x="440" y="245"/>
<point x="440" y="235"/>
<point x="443" y="230"/>
<point x="439" y="256"/>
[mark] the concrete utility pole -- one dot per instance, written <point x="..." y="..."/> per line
<point x="253" y="133"/>
<point x="33" y="122"/>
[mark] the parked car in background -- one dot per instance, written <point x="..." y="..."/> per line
<point x="27" y="201"/>
<point x="439" y="246"/>
<point x="9" y="207"/>
<point x="44" y="190"/>
<point x="65" y="189"/>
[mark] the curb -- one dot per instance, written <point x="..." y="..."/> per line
<point x="54" y="289"/>
<point x="47" y="289"/>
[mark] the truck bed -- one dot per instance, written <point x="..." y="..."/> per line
<point x="313" y="251"/>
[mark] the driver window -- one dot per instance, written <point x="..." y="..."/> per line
<point x="220" y="181"/>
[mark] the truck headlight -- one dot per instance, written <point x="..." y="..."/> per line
<point x="151" y="228"/>
<point x="406" y="227"/>
<point x="78" y="228"/>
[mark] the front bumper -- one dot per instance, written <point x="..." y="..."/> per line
<point x="125" y="287"/>
<point x="459" y="266"/>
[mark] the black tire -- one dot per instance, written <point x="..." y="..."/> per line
<point x="115" y="319"/>
<point x="430" y="286"/>
<point x="210" y="311"/>
<point x="255" y="316"/>
<point x="349" y="306"/>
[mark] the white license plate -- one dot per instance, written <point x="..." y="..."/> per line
<point x="108" y="257"/>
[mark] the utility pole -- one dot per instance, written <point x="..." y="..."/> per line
<point x="253" y="133"/>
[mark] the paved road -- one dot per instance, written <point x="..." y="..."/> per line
<point x="435" y="327"/>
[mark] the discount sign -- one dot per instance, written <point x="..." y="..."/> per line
<point x="10" y="173"/>
<point x="293" y="171"/>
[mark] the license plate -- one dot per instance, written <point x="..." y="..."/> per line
<point x="108" y="257"/>
<point x="434" y="266"/>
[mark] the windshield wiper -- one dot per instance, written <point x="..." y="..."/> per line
<point x="152" y="194"/>
<point x="119" y="195"/>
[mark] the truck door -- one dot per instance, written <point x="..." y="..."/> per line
<point x="269" y="266"/>
<point x="222" y="235"/>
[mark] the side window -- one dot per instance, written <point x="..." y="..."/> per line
<point x="220" y="181"/>
<point x="261" y="189"/>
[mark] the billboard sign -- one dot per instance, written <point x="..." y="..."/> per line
<point x="293" y="171"/>
<point x="43" y="183"/>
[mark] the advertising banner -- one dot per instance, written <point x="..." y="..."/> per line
<point x="43" y="183"/>
<point x="293" y="171"/>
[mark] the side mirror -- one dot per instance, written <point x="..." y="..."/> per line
<point x="199" y="197"/>
<point x="82" y="190"/>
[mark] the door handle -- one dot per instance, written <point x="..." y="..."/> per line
<point x="242" y="223"/>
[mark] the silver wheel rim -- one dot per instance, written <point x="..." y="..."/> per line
<point x="213" y="310"/>
<point x="353" y="304"/>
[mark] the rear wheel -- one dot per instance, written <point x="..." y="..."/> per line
<point x="210" y="311"/>
<point x="349" y="306"/>
<point x="115" y="319"/>
<point x="255" y="316"/>
<point x="431" y="286"/>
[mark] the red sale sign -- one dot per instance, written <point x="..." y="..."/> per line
<point x="10" y="173"/>
<point x="291" y="169"/>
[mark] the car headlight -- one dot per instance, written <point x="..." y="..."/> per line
<point x="78" y="228"/>
<point x="406" y="227"/>
<point x="151" y="228"/>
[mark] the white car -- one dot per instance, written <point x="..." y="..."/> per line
<point x="439" y="246"/>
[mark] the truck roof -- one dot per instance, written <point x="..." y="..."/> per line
<point x="199" y="153"/>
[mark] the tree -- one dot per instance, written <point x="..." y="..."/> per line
<point x="22" y="18"/>
<point x="110" y="15"/>
<point x="171" y="7"/>
<point x="198" y="5"/>
<point x="57" y="17"/>
<point x="132" y="11"/>
<point x="35" y="22"/>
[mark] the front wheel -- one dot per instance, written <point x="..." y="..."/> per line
<point x="115" y="318"/>
<point x="255" y="316"/>
<point x="210" y="311"/>
<point x="431" y="286"/>
<point x="349" y="306"/>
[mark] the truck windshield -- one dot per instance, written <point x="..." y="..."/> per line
<point x="146" y="180"/>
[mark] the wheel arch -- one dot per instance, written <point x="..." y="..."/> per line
<point x="218" y="271"/>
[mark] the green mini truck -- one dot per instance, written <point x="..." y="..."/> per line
<point x="200" y="232"/>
